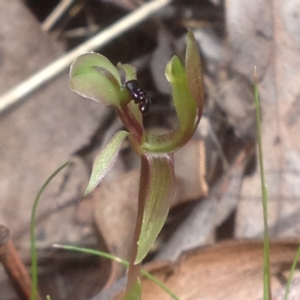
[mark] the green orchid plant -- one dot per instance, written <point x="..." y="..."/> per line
<point x="93" y="76"/>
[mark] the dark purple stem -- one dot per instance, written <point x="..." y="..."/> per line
<point x="134" y="270"/>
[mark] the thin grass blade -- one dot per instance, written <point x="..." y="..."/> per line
<point x="119" y="260"/>
<point x="267" y="272"/>
<point x="34" y="267"/>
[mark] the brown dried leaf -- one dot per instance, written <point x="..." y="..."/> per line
<point x="230" y="270"/>
<point x="43" y="132"/>
<point x="266" y="34"/>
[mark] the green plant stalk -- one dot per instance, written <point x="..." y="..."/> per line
<point x="288" y="285"/>
<point x="267" y="273"/>
<point x="34" y="268"/>
<point x="119" y="260"/>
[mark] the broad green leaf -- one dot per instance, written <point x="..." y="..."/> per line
<point x="156" y="192"/>
<point x="93" y="76"/>
<point x="135" y="293"/>
<point x="105" y="160"/>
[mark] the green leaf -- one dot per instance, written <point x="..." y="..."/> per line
<point x="105" y="160"/>
<point x="156" y="191"/>
<point x="93" y="76"/>
<point x="188" y="97"/>
<point x="135" y="293"/>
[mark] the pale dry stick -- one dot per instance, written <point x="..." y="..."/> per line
<point x="13" y="266"/>
<point x="58" y="11"/>
<point x="80" y="31"/>
<point x="36" y="80"/>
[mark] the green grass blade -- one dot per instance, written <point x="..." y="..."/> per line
<point x="288" y="285"/>
<point x="119" y="260"/>
<point x="267" y="276"/>
<point x="34" y="268"/>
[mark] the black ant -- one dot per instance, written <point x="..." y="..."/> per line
<point x="139" y="95"/>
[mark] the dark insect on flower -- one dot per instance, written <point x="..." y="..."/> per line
<point x="139" y="96"/>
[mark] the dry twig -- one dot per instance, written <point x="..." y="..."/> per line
<point x="55" y="68"/>
<point x="13" y="265"/>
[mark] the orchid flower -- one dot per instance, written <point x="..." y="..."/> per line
<point x="93" y="76"/>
